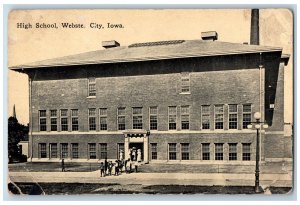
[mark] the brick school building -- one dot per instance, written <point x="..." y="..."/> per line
<point x="175" y="101"/>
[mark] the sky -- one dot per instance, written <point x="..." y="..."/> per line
<point x="30" y="45"/>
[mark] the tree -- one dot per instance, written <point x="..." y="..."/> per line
<point x="16" y="133"/>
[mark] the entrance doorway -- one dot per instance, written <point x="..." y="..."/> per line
<point x="136" y="150"/>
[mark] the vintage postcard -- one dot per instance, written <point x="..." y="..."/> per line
<point x="150" y="101"/>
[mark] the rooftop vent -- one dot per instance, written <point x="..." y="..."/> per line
<point x="209" y="35"/>
<point x="157" y="43"/>
<point x="110" y="44"/>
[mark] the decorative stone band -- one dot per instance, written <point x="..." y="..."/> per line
<point x="137" y="132"/>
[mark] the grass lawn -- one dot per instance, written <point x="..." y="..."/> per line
<point x="52" y="167"/>
<point x="82" y="188"/>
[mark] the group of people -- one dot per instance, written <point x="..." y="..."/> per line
<point x="135" y="154"/>
<point x="108" y="168"/>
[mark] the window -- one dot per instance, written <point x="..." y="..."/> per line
<point x="219" y="115"/>
<point x="103" y="150"/>
<point x="153" y="118"/>
<point x="92" y="150"/>
<point x="53" y="120"/>
<point x="74" y="115"/>
<point x="137" y="118"/>
<point x="75" y="154"/>
<point x="246" y="151"/>
<point x="232" y="151"/>
<point x="205" y="151"/>
<point x="64" y="150"/>
<point x="246" y="115"/>
<point x="121" y="148"/>
<point x="121" y="118"/>
<point x="42" y="150"/>
<point x="92" y="86"/>
<point x="92" y="118"/>
<point x="103" y="118"/>
<point x="172" y="151"/>
<point x="218" y="151"/>
<point x="185" y="117"/>
<point x="53" y="150"/>
<point x="185" y="151"/>
<point x="43" y="120"/>
<point x="172" y="118"/>
<point x="64" y="120"/>
<point x="233" y="117"/>
<point x="153" y="151"/>
<point x="205" y="114"/>
<point x="185" y="82"/>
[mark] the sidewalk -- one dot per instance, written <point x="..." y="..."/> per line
<point x="203" y="179"/>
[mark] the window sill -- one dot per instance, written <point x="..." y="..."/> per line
<point x="91" y="97"/>
<point x="185" y="93"/>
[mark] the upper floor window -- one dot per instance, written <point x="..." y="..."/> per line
<point x="92" y="87"/>
<point x="103" y="118"/>
<point x="64" y="120"/>
<point x="185" y="117"/>
<point x="205" y="115"/>
<point x="172" y="117"/>
<point x="233" y="117"/>
<point x="137" y="118"/>
<point x="153" y="118"/>
<point x="121" y="118"/>
<point x="92" y="118"/>
<point x="219" y="116"/>
<point x="43" y="120"/>
<point x="185" y="82"/>
<point x="53" y="120"/>
<point x="246" y="115"/>
<point x="74" y="115"/>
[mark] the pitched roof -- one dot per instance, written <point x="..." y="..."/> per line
<point x="151" y="51"/>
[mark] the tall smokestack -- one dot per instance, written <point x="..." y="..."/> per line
<point x="14" y="112"/>
<point x="254" y="36"/>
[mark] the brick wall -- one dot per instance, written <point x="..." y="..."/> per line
<point x="213" y="80"/>
<point x="195" y="141"/>
<point x="207" y="88"/>
<point x="162" y="140"/>
<point x="82" y="141"/>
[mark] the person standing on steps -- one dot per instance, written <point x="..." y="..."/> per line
<point x="139" y="155"/>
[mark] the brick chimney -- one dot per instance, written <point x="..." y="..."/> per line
<point x="254" y="35"/>
<point x="209" y="35"/>
<point x="110" y="44"/>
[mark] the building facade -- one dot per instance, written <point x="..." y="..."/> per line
<point x="176" y="101"/>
